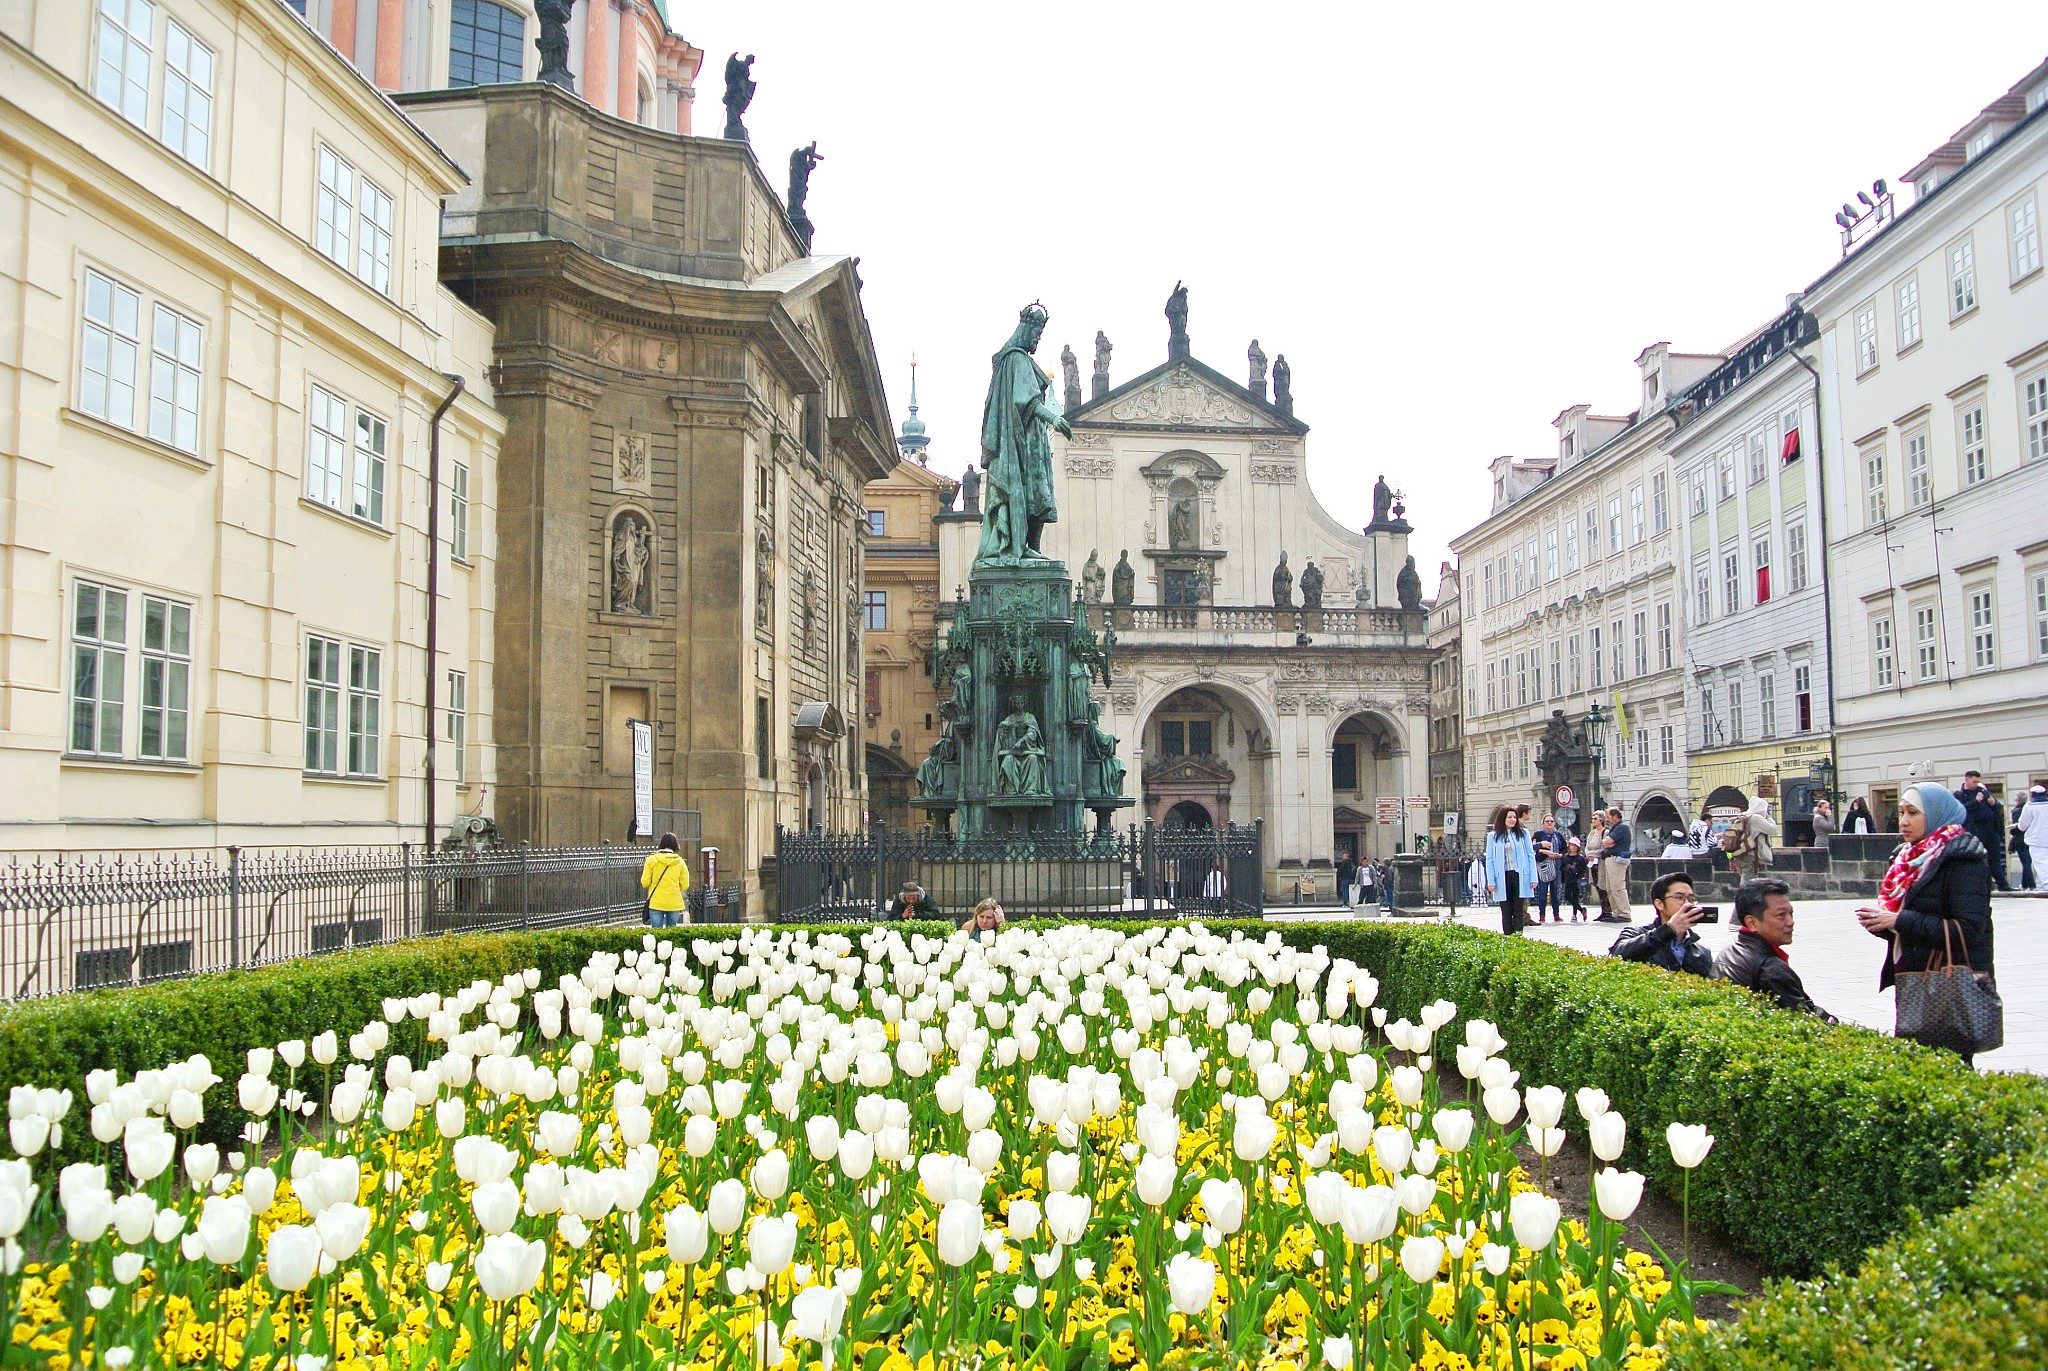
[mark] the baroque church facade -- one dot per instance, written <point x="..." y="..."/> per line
<point x="1267" y="663"/>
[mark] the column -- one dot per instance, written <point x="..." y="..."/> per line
<point x="390" y="43"/>
<point x="342" y="30"/>
<point x="597" y="52"/>
<point x="629" y="61"/>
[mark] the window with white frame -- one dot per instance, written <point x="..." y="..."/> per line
<point x="457" y="727"/>
<point x="1802" y="699"/>
<point x="335" y="208"/>
<point x="1906" y="310"/>
<point x="1536" y="675"/>
<point x="1760" y="564"/>
<point x="2023" y="233"/>
<point x="1520" y="574"/>
<point x="1635" y="513"/>
<point x="1767" y="705"/>
<point x="352" y="221"/>
<point x="327" y="446"/>
<point x="373" y="238"/>
<point x="1875" y="506"/>
<point x="1731" y="582"/>
<point x="1660" y="503"/>
<point x="1471" y="690"/>
<point x="1571" y="545"/>
<point x="1614" y="523"/>
<point x="174" y="370"/>
<point x="1962" y="278"/>
<point x="1571" y="649"/>
<point x="1710" y="724"/>
<point x="1788" y="430"/>
<point x="1699" y="493"/>
<point x="365" y="696"/>
<point x="2039" y="587"/>
<point x="166" y="692"/>
<point x="1642" y="747"/>
<point x="112" y="345"/>
<point x="1521" y="678"/>
<point x="1726" y="467"/>
<point x="1667" y="745"/>
<point x="99" y="669"/>
<point x="458" y="512"/>
<point x="111" y="383"/>
<point x="1592" y="537"/>
<point x="2034" y="416"/>
<point x="323" y="705"/>
<point x="1486" y="585"/>
<point x="1983" y="630"/>
<point x="1556" y="669"/>
<point x="372" y="440"/>
<point x="1759" y="458"/>
<point x="1493" y="766"/>
<point x="1593" y="654"/>
<point x="1703" y="592"/>
<point x="1492" y="702"/>
<point x="1919" y="487"/>
<point x="1641" y="623"/>
<point x="1881" y="654"/>
<point x="1614" y="646"/>
<point x="108" y="640"/>
<point x="1665" y="651"/>
<point x="1926" y="643"/>
<point x="348" y="457"/>
<point x="1735" y="711"/>
<point x="186" y="126"/>
<point x="121" y="76"/>
<point x="1970" y="443"/>
<point x="1796" y="570"/>
<point x="1550" y="554"/>
<point x="1866" y="338"/>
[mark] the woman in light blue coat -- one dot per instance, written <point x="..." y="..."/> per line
<point x="1510" y="868"/>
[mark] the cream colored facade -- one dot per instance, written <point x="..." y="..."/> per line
<point x="900" y="602"/>
<point x="227" y="343"/>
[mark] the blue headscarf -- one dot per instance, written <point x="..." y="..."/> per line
<point x="1940" y="807"/>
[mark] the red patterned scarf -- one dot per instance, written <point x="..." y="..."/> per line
<point x="1908" y="862"/>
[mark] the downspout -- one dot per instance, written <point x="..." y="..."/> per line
<point x="434" y="581"/>
<point x="1827" y="594"/>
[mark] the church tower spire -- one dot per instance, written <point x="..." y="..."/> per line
<point x="912" y="440"/>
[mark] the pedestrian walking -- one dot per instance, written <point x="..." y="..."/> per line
<point x="1549" y="859"/>
<point x="1386" y="878"/>
<point x="1933" y="907"/>
<point x="1347" y="876"/>
<point x="2016" y="842"/>
<point x="1749" y="841"/>
<point x="1573" y="874"/>
<point x="2033" y="827"/>
<point x="1596" y="849"/>
<point x="1510" y="868"/>
<point x="1365" y="881"/>
<point x="1216" y="885"/>
<point x="1614" y="860"/>
<point x="1984" y="820"/>
<point x="665" y="876"/>
<point x="1858" y="819"/>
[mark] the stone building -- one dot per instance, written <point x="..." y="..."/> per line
<point x="231" y="418"/>
<point x="694" y="408"/>
<point x="1935" y="366"/>
<point x="900" y="603"/>
<point x="1446" y="703"/>
<point x="1180" y="497"/>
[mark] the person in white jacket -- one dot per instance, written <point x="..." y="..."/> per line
<point x="2032" y="822"/>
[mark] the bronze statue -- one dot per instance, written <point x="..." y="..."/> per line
<point x="1124" y="580"/>
<point x="1105" y="776"/>
<point x="1070" y="378"/>
<point x="1016" y="448"/>
<point x="1382" y="501"/>
<point x="802" y="163"/>
<point x="554" y="43"/>
<point x="1180" y="523"/>
<point x="1177" y="321"/>
<point x="931" y="772"/>
<point x="1283" y="585"/>
<point x="1257" y="357"/>
<point x="1091" y="580"/>
<point x="1283" y="385"/>
<point x="1311" y="585"/>
<point x="1408" y="585"/>
<point x="1020" y="753"/>
<point x="739" y="93"/>
<point x="1077" y="691"/>
<point x="1099" y="386"/>
<point x="970" y="490"/>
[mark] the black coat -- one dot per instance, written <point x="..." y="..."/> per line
<point x="1983" y="817"/>
<point x="1651" y="943"/>
<point x="1750" y="963"/>
<point x="1953" y="889"/>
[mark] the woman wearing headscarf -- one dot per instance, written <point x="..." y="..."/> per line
<point x="1936" y="896"/>
<point x="1510" y="868"/>
<point x="1753" y="835"/>
<point x="1858" y="819"/>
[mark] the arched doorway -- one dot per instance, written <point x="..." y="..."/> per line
<point x="1364" y="769"/>
<point x="1657" y="817"/>
<point x="1205" y="750"/>
<point x="1188" y="814"/>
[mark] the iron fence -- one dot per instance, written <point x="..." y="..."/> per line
<point x="1147" y="872"/>
<point x="81" y="922"/>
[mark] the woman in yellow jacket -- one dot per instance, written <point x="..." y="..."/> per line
<point x="666" y="878"/>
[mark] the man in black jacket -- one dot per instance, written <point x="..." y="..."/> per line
<point x="1756" y="959"/>
<point x="1668" y="940"/>
<point x="1984" y="816"/>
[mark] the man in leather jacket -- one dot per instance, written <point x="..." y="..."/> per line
<point x="1668" y="940"/>
<point x="1756" y="959"/>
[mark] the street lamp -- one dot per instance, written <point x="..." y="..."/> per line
<point x="1822" y="774"/>
<point x="1594" y="747"/>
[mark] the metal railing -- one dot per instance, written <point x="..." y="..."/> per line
<point x="1147" y="872"/>
<point x="1333" y="619"/>
<point x="79" y="922"/>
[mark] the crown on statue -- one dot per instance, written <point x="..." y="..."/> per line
<point x="1033" y="313"/>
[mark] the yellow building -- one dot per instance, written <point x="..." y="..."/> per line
<point x="231" y="414"/>
<point x="900" y="599"/>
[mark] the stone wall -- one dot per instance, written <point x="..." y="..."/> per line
<point x="1849" y="870"/>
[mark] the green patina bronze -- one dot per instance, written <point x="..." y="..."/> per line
<point x="1022" y="750"/>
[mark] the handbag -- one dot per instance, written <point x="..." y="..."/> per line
<point x="1948" y="1005"/>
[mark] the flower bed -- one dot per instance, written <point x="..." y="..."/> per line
<point x="1070" y="1148"/>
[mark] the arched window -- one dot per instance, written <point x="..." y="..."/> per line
<point x="486" y="43"/>
<point x="647" y="116"/>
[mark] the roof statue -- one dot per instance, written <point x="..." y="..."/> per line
<point x="1099" y="385"/>
<point x="1283" y="385"/>
<point x="1256" y="382"/>
<point x="802" y="162"/>
<point x="1177" y="322"/>
<point x="1070" y="378"/>
<point x="554" y="43"/>
<point x="739" y="93"/>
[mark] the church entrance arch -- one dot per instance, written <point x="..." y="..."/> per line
<point x="1188" y="814"/>
<point x="1365" y="768"/>
<point x="1207" y="749"/>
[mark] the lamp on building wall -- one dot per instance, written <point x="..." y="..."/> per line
<point x="1822" y="774"/>
<point x="1595" y="748"/>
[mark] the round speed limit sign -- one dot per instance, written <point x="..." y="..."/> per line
<point x="1565" y="798"/>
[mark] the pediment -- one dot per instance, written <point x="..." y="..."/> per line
<point x="1189" y="771"/>
<point x="1185" y="394"/>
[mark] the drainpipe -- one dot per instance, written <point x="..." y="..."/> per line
<point x="1827" y="595"/>
<point x="434" y="581"/>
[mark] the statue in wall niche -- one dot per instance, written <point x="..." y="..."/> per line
<point x="764" y="579"/>
<point x="931" y="772"/>
<point x="739" y="93"/>
<point x="1382" y="501"/>
<point x="1283" y="585"/>
<point x="1180" y="523"/>
<point x="1105" y="774"/>
<point x="1077" y="692"/>
<point x="1070" y="377"/>
<point x="960" y="708"/>
<point x="1124" y="580"/>
<point x="554" y="42"/>
<point x="1283" y="385"/>
<point x="970" y="490"/>
<point x="632" y="551"/>
<point x="1408" y="585"/>
<point x="1256" y="382"/>
<point x="1020" y="752"/>
<point x="1091" y="579"/>
<point x="1099" y="386"/>
<point x="1311" y="585"/>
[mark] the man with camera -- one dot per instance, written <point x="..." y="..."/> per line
<point x="1669" y="940"/>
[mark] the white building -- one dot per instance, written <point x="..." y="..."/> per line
<point x="1751" y="545"/>
<point x="1446" y="701"/>
<point x="1570" y="598"/>
<point x="1934" y="346"/>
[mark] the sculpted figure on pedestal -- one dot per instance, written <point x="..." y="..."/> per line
<point x="1016" y="448"/>
<point x="1256" y="383"/>
<point x="739" y="93"/>
<point x="1099" y="387"/>
<point x="1124" y="580"/>
<point x="1091" y="580"/>
<point x="1311" y="586"/>
<point x="1283" y="585"/>
<point x="1020" y="753"/>
<point x="1408" y="585"/>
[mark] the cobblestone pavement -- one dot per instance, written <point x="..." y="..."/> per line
<point x="1839" y="963"/>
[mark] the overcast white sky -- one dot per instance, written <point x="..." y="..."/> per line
<point x="1454" y="220"/>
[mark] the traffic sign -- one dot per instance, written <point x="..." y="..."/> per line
<point x="1565" y="798"/>
<point x="1418" y="802"/>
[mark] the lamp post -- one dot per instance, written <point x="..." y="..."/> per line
<point x="1595" y="748"/>
<point x="1822" y="774"/>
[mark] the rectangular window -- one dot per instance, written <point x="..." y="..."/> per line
<point x="373" y="239"/>
<point x="1919" y="489"/>
<point x="327" y="451"/>
<point x="1660" y="503"/>
<point x="335" y="212"/>
<point x="1344" y="767"/>
<point x="2034" y="416"/>
<point x="1881" y="652"/>
<point x="1767" y="705"/>
<point x="1598" y="660"/>
<point x="371" y="434"/>
<point x="1173" y="738"/>
<point x="1727" y="475"/>
<point x="1471" y="690"/>
<point x="1556" y="669"/>
<point x="1530" y="550"/>
<point x="1536" y="675"/>
<point x="1698" y="485"/>
<point x="1735" y="711"/>
<point x="1970" y="443"/>
<point x="1703" y="593"/>
<point x="174" y="367"/>
<point x="458" y="512"/>
<point x="1571" y="545"/>
<point x="1926" y="644"/>
<point x="1802" y="699"/>
<point x="1962" y="279"/>
<point x="1731" y="582"/>
<point x="1201" y="738"/>
<point x="112" y="347"/>
<point x="1760" y="562"/>
<point x="187" y="124"/>
<point x="486" y="43"/>
<point x="365" y="695"/>
<point x="1759" y="458"/>
<point x="1983" y="631"/>
<point x="99" y="668"/>
<point x="1571" y="649"/>
<point x="1592" y="537"/>
<point x="877" y="602"/>
<point x="1665" y="660"/>
<point x="121" y="77"/>
<point x="1906" y="308"/>
<point x="1875" y="506"/>
<point x="1866" y="338"/>
<point x="1486" y="585"/>
<point x="166" y="679"/>
<point x="1641" y="639"/>
<point x="2024" y="231"/>
<point x="323" y="706"/>
<point x="1642" y="747"/>
<point x="2040" y="597"/>
<point x="1613" y="523"/>
<point x="878" y="523"/>
<point x="1667" y="745"/>
<point x="1493" y="766"/>
<point x="1710" y="725"/>
<point x="1520" y="574"/>
<point x="1492" y="702"/>
<point x="1550" y="554"/>
<point x="1615" y="647"/>
<point x="1521" y="678"/>
<point x="1635" y="513"/>
<point x="762" y="755"/>
<point x="457" y="729"/>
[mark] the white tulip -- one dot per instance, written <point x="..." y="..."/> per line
<point x="727" y="1207"/>
<point x="1393" y="1146"/>
<point x="771" y="1175"/>
<point x="1502" y="1103"/>
<point x="1545" y="1104"/>
<point x="1421" y="1257"/>
<point x="771" y="1243"/>
<point x="1224" y="1202"/>
<point x="689" y="1235"/>
<point x="1190" y="1284"/>
<point x="451" y="1117"/>
<point x="496" y="1206"/>
<point x="202" y="1162"/>
<point x="1534" y="1218"/>
<point x="1154" y="1179"/>
<point x="1494" y="1258"/>
<point x="960" y="1229"/>
<point x="1368" y="1214"/>
<point x="1592" y="1102"/>
<point x="1337" y="1353"/>
<point x="1407" y="1083"/>
<point x="1546" y="1142"/>
<point x="1689" y="1143"/>
<point x="1453" y="1128"/>
<point x="1617" y="1192"/>
<point x="1417" y="1194"/>
<point x="817" y="1313"/>
<point x="508" y="1266"/>
<point x="342" y="1228"/>
<point x="556" y="1133"/>
<point x="134" y="1218"/>
<point x="1023" y="1219"/>
<point x="700" y="1135"/>
<point x="1606" y="1134"/>
<point x="400" y="1105"/>
<point x="223" y="1229"/>
<point x="1254" y="1135"/>
<point x="1066" y="1217"/>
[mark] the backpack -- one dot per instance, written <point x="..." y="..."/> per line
<point x="1732" y="837"/>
